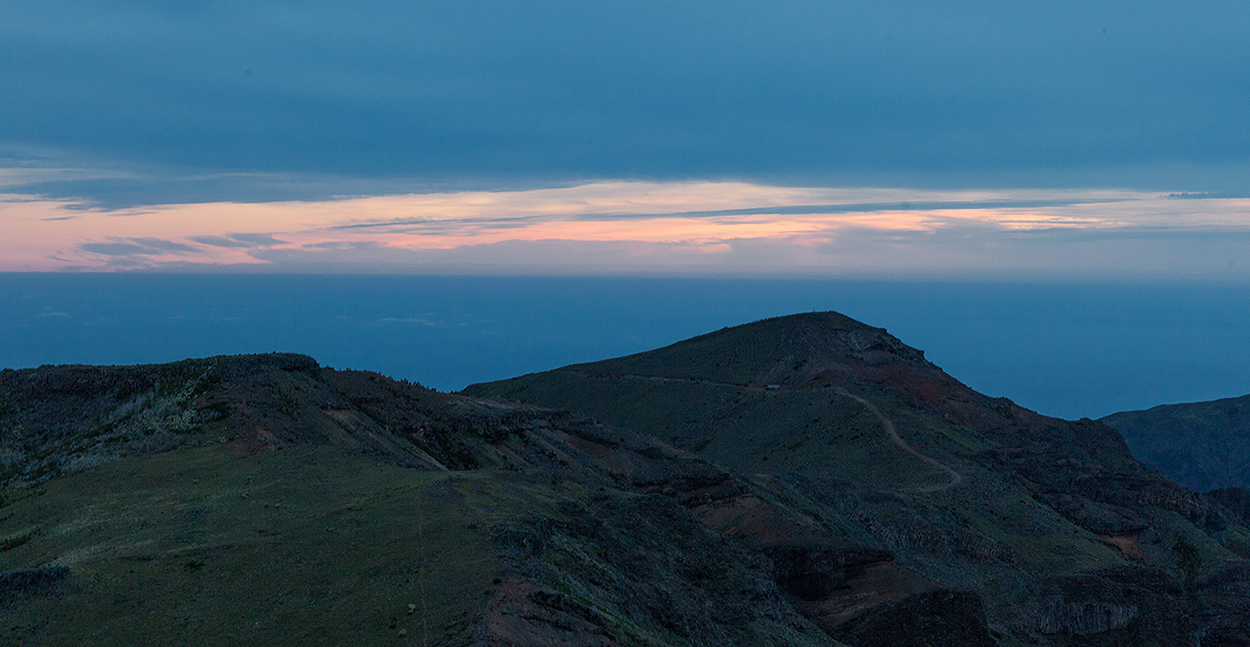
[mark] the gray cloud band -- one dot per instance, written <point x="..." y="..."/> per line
<point x="157" y="102"/>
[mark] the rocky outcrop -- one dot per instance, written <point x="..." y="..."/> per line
<point x="817" y="571"/>
<point x="523" y="614"/>
<point x="943" y="618"/>
<point x="1083" y="618"/>
<point x="34" y="581"/>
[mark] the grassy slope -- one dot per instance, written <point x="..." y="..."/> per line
<point x="753" y="353"/>
<point x="298" y="506"/>
<point x="208" y="546"/>
<point x="817" y="432"/>
<point x="212" y="543"/>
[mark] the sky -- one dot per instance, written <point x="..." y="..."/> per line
<point x="1090" y="159"/>
<point x="900" y="139"/>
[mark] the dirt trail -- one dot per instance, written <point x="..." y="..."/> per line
<point x="888" y="424"/>
<point x="898" y="440"/>
<point x="657" y="378"/>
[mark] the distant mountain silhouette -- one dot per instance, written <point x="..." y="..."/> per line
<point x="804" y="480"/>
<point x="1201" y="445"/>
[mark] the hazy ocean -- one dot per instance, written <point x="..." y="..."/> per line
<point x="1069" y="350"/>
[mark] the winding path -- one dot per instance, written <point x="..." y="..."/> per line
<point x="898" y="440"/>
<point x="888" y="424"/>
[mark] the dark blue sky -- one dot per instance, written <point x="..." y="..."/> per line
<point x="164" y="101"/>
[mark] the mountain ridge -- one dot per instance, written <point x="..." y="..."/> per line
<point x="1202" y="445"/>
<point x="822" y="509"/>
<point x="824" y="415"/>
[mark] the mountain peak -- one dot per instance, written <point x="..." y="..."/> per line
<point x="861" y="404"/>
<point x="961" y="487"/>
<point x="781" y="351"/>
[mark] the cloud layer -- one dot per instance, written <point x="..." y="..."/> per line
<point x="685" y="228"/>
<point x="150" y="102"/>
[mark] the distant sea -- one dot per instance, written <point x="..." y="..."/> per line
<point x="1065" y="349"/>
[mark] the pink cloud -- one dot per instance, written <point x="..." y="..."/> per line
<point x="627" y="227"/>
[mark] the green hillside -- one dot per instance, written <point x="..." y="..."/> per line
<point x="203" y="546"/>
<point x="295" y="505"/>
<point x="805" y="480"/>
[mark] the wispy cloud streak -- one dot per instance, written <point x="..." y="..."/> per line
<point x="637" y="227"/>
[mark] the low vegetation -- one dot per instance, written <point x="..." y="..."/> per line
<point x="806" y="480"/>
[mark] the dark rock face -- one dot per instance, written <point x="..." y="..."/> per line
<point x="525" y="615"/>
<point x="34" y="581"/>
<point x="1234" y="499"/>
<point x="1200" y="445"/>
<point x="816" y="572"/>
<point x="944" y="618"/>
<point x="1084" y="619"/>
<point x="1227" y="637"/>
<point x="1125" y="606"/>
